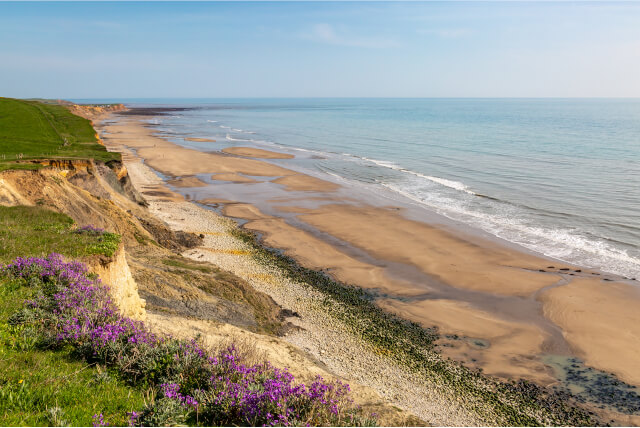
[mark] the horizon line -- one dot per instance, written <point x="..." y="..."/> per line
<point x="330" y="97"/>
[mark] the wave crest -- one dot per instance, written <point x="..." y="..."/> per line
<point x="439" y="180"/>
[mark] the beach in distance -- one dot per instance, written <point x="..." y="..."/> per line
<point x="508" y="225"/>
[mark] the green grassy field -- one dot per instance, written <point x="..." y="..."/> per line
<point x="35" y="231"/>
<point x="34" y="130"/>
<point x="40" y="387"/>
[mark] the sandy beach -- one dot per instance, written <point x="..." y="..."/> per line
<point x="251" y="152"/>
<point x="200" y="140"/>
<point x="511" y="308"/>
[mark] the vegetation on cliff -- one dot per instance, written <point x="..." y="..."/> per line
<point x="38" y="231"/>
<point x="39" y="386"/>
<point x="31" y="130"/>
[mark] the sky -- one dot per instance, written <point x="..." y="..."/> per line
<point x="317" y="49"/>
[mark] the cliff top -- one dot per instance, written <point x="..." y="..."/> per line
<point x="32" y="130"/>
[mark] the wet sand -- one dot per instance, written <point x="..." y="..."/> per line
<point x="466" y="285"/>
<point x="601" y="322"/>
<point x="187" y="182"/>
<point x="233" y="177"/>
<point x="514" y="343"/>
<point x="315" y="253"/>
<point x="200" y="140"/>
<point x="305" y="183"/>
<point x="176" y="161"/>
<point x="455" y="260"/>
<point x="251" y="152"/>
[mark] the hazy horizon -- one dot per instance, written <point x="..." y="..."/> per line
<point x="313" y="97"/>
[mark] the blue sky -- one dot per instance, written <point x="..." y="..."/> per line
<point x="309" y="49"/>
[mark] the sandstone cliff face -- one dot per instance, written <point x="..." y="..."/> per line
<point x="123" y="289"/>
<point x="10" y="194"/>
<point x="94" y="112"/>
<point x="66" y="165"/>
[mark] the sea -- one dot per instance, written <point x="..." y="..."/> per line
<point x="560" y="177"/>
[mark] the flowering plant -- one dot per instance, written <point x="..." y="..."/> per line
<point x="71" y="307"/>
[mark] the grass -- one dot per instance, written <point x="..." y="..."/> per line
<point x="41" y="387"/>
<point x="36" y="231"/>
<point x="31" y="130"/>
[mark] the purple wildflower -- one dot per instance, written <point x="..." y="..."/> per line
<point x="133" y="418"/>
<point x="98" y="421"/>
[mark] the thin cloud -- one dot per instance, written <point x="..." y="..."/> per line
<point x="326" y="33"/>
<point x="97" y="62"/>
<point x="446" y="33"/>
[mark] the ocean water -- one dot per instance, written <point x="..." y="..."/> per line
<point x="558" y="176"/>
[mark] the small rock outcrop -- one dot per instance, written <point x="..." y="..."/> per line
<point x="124" y="291"/>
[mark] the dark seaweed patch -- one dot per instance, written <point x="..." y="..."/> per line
<point x="595" y="387"/>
